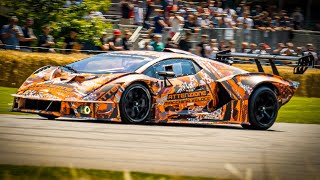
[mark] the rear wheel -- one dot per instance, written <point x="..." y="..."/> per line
<point x="48" y="116"/>
<point x="263" y="109"/>
<point x="135" y="104"/>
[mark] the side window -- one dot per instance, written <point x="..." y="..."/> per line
<point x="181" y="67"/>
<point x="150" y="72"/>
<point x="196" y="67"/>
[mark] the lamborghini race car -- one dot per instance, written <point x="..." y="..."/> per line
<point x="155" y="87"/>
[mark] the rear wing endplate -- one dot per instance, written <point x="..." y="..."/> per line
<point x="300" y="63"/>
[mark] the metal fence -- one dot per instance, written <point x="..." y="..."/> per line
<point x="272" y="38"/>
<point x="298" y="37"/>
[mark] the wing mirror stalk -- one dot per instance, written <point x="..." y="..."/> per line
<point x="166" y="75"/>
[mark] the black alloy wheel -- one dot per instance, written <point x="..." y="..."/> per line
<point x="263" y="109"/>
<point x="135" y="104"/>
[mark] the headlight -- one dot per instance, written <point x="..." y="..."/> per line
<point x="84" y="110"/>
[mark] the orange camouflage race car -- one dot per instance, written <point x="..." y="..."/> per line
<point x="157" y="87"/>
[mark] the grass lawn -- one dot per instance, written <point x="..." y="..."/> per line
<point x="6" y="100"/>
<point x="298" y="110"/>
<point x="11" y="172"/>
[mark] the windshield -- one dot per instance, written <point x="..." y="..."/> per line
<point x="110" y="63"/>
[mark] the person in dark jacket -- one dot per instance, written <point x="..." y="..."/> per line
<point x="28" y="36"/>
<point x="185" y="43"/>
<point x="125" y="40"/>
<point x="202" y="46"/>
<point x="45" y="40"/>
<point x="126" y="8"/>
<point x="115" y="43"/>
<point x="71" y="43"/>
<point x="159" y="23"/>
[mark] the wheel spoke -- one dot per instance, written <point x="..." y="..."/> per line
<point x="136" y="95"/>
<point x="272" y="107"/>
<point x="257" y="102"/>
<point x="129" y="111"/>
<point x="140" y="115"/>
<point x="137" y="109"/>
<point x="133" y="113"/>
<point x="143" y="103"/>
<point x="266" y="114"/>
<point x="260" y="117"/>
<point x="130" y="96"/>
<point x="265" y="101"/>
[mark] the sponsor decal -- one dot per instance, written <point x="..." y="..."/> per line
<point x="187" y="95"/>
<point x="189" y="100"/>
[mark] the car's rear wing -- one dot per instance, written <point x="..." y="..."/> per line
<point x="300" y="63"/>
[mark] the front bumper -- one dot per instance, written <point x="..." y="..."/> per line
<point x="104" y="110"/>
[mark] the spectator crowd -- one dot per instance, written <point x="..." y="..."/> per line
<point x="189" y="18"/>
<point x="209" y="14"/>
<point x="14" y="37"/>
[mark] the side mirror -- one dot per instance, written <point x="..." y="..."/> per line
<point x="165" y="75"/>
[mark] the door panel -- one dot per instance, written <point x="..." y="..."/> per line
<point x="192" y="91"/>
<point x="188" y="96"/>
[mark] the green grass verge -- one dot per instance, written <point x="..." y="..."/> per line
<point x="298" y="110"/>
<point x="10" y="172"/>
<point x="6" y="100"/>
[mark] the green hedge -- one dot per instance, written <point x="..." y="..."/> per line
<point x="309" y="81"/>
<point x="16" y="66"/>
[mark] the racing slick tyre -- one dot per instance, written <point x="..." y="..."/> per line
<point x="135" y="104"/>
<point x="48" y="116"/>
<point x="263" y="109"/>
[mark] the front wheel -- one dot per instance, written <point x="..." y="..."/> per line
<point x="263" y="109"/>
<point x="135" y="104"/>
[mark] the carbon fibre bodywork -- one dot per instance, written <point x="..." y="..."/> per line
<point x="216" y="93"/>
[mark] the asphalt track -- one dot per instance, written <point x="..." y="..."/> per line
<point x="286" y="151"/>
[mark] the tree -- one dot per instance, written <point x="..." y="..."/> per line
<point x="61" y="18"/>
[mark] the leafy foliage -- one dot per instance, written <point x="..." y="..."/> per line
<point x="61" y="18"/>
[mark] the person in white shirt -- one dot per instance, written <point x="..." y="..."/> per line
<point x="230" y="12"/>
<point x="311" y="51"/>
<point x="262" y="49"/>
<point x="198" y="19"/>
<point x="219" y="8"/>
<point x="246" y="20"/>
<point x="176" y="22"/>
<point x="138" y="13"/>
<point x="244" y="47"/>
<point x="212" y="49"/>
<point x="232" y="45"/>
<point x="205" y="21"/>
<point x="253" y="49"/>
<point x="289" y="51"/>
